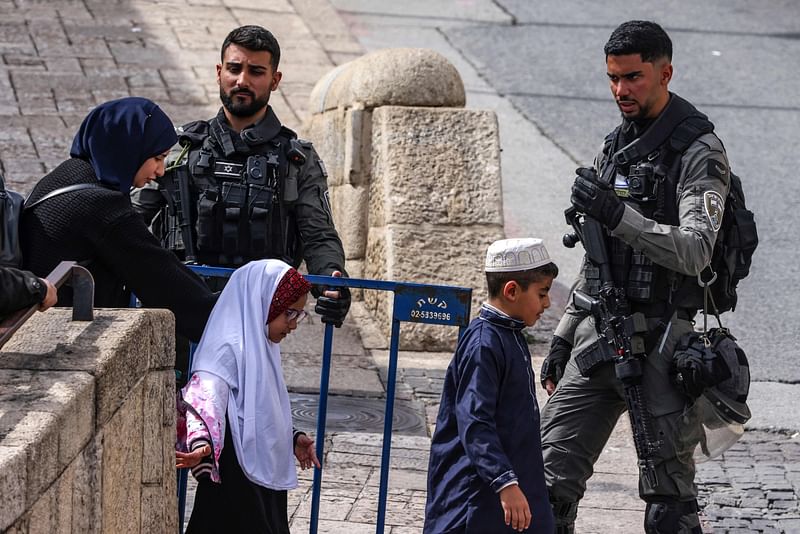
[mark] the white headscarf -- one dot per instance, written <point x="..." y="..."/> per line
<point x="235" y="348"/>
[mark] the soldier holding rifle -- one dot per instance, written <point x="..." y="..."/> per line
<point x="651" y="208"/>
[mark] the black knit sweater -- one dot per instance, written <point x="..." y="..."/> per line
<point x="99" y="228"/>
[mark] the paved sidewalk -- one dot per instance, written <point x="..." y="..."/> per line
<point x="61" y="57"/>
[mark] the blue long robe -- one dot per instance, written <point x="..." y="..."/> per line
<point x="487" y="433"/>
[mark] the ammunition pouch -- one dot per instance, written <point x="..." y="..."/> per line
<point x="227" y="204"/>
<point x="210" y="219"/>
<point x="645" y="282"/>
<point x="601" y="351"/>
<point x="233" y="220"/>
<point x="593" y="357"/>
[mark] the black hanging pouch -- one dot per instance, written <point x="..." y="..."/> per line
<point x="11" y="205"/>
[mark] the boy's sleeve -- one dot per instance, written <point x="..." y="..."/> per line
<point x="476" y="402"/>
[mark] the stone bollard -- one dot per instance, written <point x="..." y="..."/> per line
<point x="414" y="177"/>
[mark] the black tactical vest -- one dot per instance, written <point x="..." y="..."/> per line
<point x="644" y="174"/>
<point x="231" y="196"/>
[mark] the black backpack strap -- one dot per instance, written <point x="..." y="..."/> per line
<point x="60" y="191"/>
<point x="686" y="132"/>
<point x="663" y="129"/>
<point x="682" y="133"/>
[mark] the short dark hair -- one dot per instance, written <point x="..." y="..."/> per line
<point x="496" y="281"/>
<point x="253" y="38"/>
<point x="640" y="37"/>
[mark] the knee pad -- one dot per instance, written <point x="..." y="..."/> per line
<point x="671" y="517"/>
<point x="564" y="513"/>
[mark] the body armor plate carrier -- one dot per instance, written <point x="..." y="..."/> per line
<point x="230" y="204"/>
<point x="645" y="175"/>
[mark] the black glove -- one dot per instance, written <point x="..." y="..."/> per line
<point x="556" y="360"/>
<point x="333" y="310"/>
<point x="596" y="199"/>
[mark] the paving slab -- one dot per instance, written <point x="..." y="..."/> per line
<point x="59" y="58"/>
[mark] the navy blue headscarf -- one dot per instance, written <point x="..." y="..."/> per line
<point x="118" y="136"/>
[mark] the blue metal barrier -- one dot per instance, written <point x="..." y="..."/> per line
<point x="416" y="303"/>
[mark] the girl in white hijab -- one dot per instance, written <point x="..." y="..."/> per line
<point x="238" y="422"/>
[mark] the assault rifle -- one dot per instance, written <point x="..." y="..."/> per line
<point x="623" y="333"/>
<point x="180" y="201"/>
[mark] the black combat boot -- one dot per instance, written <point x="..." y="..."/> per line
<point x="564" y="513"/>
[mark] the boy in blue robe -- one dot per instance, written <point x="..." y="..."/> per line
<point x="486" y="474"/>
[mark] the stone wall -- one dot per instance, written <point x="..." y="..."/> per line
<point x="87" y="424"/>
<point x="414" y="177"/>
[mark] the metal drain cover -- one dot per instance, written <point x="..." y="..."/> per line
<point x="354" y="414"/>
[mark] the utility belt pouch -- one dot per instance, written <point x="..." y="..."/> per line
<point x="234" y="197"/>
<point x="297" y="159"/>
<point x="260" y="178"/>
<point x="590" y="359"/>
<point x="634" y="325"/>
<point x="210" y="216"/>
<point x="260" y="201"/>
<point x="290" y="194"/>
<point x="259" y="198"/>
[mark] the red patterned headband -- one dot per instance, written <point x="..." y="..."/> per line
<point x="291" y="287"/>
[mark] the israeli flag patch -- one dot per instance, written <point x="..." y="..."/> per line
<point x="621" y="185"/>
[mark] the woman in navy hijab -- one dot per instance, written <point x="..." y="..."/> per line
<point x="88" y="217"/>
<point x="120" y="138"/>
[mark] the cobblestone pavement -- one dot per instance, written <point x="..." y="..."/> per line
<point x="755" y="486"/>
<point x="61" y="57"/>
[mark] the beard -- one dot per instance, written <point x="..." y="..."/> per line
<point x="642" y="114"/>
<point x="241" y="109"/>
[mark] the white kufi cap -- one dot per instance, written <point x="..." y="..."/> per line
<point x="521" y="254"/>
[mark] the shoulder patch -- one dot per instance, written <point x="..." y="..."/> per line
<point x="714" y="207"/>
<point x="718" y="170"/>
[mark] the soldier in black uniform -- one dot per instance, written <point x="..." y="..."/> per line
<point x="658" y="188"/>
<point x="241" y="186"/>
